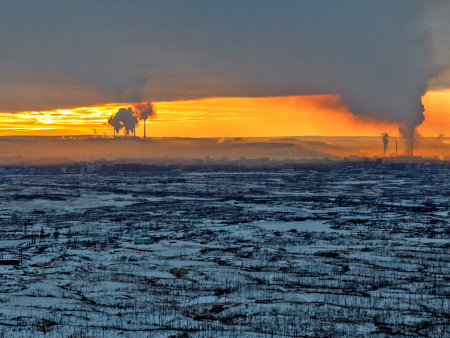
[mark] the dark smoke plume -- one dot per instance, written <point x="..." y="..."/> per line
<point x="385" y="142"/>
<point x="124" y="118"/>
<point x="145" y="111"/>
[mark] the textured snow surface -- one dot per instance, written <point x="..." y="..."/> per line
<point x="254" y="254"/>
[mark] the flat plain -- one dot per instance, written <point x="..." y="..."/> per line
<point x="332" y="250"/>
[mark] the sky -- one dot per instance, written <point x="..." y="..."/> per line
<point x="226" y="68"/>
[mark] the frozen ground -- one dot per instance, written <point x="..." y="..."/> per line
<point x="237" y="254"/>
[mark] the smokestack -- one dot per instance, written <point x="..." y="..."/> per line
<point x="385" y="142"/>
<point x="124" y="118"/>
<point x="408" y="133"/>
<point x="145" y="111"/>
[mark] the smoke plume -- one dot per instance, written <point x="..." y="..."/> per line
<point x="411" y="137"/>
<point x="145" y="110"/>
<point x="385" y="142"/>
<point x="124" y="118"/>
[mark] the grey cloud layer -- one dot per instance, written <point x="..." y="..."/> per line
<point x="376" y="54"/>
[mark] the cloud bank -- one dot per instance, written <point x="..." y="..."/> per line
<point x="376" y="54"/>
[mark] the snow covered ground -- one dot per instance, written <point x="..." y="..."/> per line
<point x="237" y="254"/>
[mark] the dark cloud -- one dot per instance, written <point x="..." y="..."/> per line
<point x="376" y="54"/>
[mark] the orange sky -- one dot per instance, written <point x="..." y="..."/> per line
<point x="232" y="117"/>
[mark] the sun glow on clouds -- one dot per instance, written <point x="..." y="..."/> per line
<point x="437" y="114"/>
<point x="230" y="117"/>
<point x="75" y="121"/>
<point x="268" y="116"/>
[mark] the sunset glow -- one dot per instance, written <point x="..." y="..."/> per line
<point x="437" y="114"/>
<point x="231" y="117"/>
